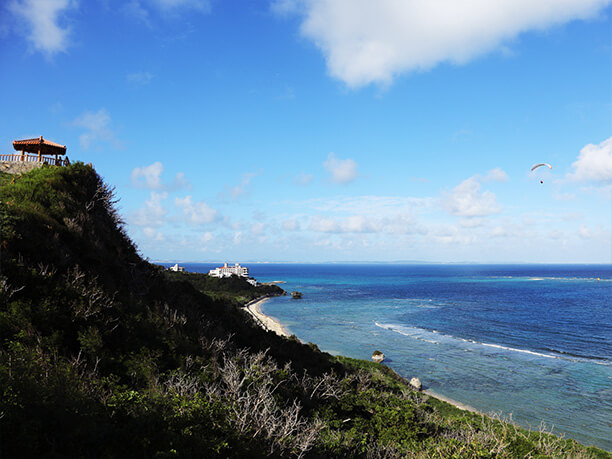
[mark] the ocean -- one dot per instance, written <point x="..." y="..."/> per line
<point x="533" y="342"/>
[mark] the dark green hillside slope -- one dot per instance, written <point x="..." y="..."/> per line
<point x="106" y="355"/>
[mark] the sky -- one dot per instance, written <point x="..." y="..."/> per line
<point x="328" y="130"/>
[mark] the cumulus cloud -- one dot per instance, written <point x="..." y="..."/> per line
<point x="42" y="27"/>
<point x="150" y="177"/>
<point x="196" y="213"/>
<point x="594" y="163"/>
<point x="97" y="129"/>
<point x="467" y="199"/>
<point x="341" y="170"/>
<point x="372" y="42"/>
<point x="153" y="213"/>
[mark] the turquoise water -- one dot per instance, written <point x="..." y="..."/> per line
<point x="532" y="341"/>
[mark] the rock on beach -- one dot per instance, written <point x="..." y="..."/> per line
<point x="416" y="384"/>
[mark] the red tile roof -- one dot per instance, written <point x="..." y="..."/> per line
<point x="34" y="145"/>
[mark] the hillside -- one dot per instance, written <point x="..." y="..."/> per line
<point x="104" y="354"/>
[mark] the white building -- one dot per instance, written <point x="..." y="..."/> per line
<point x="227" y="271"/>
<point x="176" y="268"/>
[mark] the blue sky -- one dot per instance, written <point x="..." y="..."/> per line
<point x="328" y="130"/>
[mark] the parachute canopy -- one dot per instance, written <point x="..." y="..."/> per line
<point x="540" y="165"/>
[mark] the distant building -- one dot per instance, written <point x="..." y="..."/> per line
<point x="227" y="271"/>
<point x="176" y="268"/>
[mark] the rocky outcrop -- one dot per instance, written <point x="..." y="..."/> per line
<point x="378" y="356"/>
<point x="416" y="384"/>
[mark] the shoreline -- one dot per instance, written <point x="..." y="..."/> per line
<point x="455" y="403"/>
<point x="264" y="321"/>
<point x="271" y="324"/>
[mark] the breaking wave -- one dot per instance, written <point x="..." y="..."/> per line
<point x="436" y="337"/>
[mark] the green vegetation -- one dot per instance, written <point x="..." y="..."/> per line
<point x="106" y="355"/>
<point x="233" y="290"/>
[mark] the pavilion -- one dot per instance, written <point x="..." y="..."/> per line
<point x="44" y="151"/>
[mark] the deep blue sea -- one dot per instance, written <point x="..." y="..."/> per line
<point x="533" y="341"/>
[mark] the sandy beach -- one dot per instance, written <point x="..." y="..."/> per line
<point x="455" y="403"/>
<point x="266" y="322"/>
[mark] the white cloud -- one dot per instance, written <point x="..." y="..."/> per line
<point x="141" y="9"/>
<point x="153" y="213"/>
<point x="471" y="222"/>
<point x="206" y="237"/>
<point x="236" y="192"/>
<point x="197" y="5"/>
<point x="451" y="235"/>
<point x="324" y="225"/>
<point x="366" y="41"/>
<point x="196" y="213"/>
<point x="362" y="214"/>
<point x="466" y="199"/>
<point x="584" y="232"/>
<point x="499" y="231"/>
<point x="303" y="179"/>
<point x="395" y="224"/>
<point x="180" y="181"/>
<point x="291" y="225"/>
<point x="153" y="235"/>
<point x="380" y="206"/>
<point x="341" y="170"/>
<point x="97" y="129"/>
<point x="495" y="175"/>
<point x="150" y="177"/>
<point x="42" y="26"/>
<point x="135" y="10"/>
<point x="594" y="163"/>
<point x="401" y="224"/>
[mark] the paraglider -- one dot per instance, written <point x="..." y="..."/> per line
<point x="540" y="165"/>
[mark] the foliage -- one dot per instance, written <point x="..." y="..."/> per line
<point x="234" y="289"/>
<point x="104" y="354"/>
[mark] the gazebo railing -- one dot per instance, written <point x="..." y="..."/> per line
<point x="51" y="160"/>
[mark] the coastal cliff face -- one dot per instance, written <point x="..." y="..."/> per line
<point x="105" y="354"/>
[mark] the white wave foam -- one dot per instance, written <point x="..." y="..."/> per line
<point x="562" y="279"/>
<point x="422" y="334"/>
<point x="524" y="351"/>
